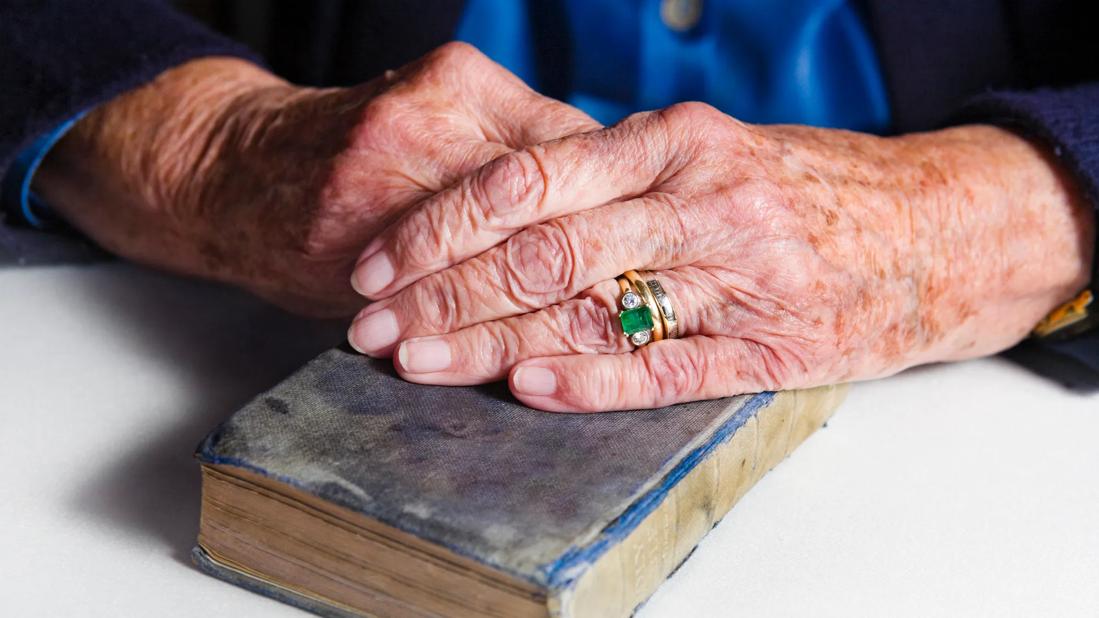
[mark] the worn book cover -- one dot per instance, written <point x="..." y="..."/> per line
<point x="347" y="491"/>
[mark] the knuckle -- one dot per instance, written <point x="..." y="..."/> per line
<point x="587" y="327"/>
<point x="656" y="141"/>
<point x="436" y="304"/>
<point x="696" y="127"/>
<point x="512" y="184"/>
<point x="690" y="113"/>
<point x="417" y="243"/>
<point x="448" y="68"/>
<point x="672" y="376"/>
<point x="494" y="349"/>
<point x="538" y="263"/>
<point x="456" y="52"/>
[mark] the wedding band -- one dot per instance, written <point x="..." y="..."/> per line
<point x="667" y="312"/>
<point x="635" y="317"/>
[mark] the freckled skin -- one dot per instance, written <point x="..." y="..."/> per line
<point x="797" y="256"/>
<point x="220" y="169"/>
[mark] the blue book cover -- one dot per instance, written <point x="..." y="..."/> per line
<point x="347" y="491"/>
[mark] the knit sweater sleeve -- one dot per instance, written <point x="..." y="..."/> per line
<point x="59" y="58"/>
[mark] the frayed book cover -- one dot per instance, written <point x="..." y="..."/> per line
<point x="348" y="492"/>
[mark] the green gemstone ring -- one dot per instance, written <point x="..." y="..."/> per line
<point x="637" y="324"/>
<point x="640" y="314"/>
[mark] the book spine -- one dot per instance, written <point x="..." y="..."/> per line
<point x="629" y="573"/>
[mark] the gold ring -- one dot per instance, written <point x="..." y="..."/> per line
<point x="635" y="316"/>
<point x="642" y="288"/>
<point x="667" y="312"/>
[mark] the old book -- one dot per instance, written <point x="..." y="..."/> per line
<point x="347" y="491"/>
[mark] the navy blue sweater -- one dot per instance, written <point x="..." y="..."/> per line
<point x="1032" y="65"/>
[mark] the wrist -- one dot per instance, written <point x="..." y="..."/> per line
<point x="138" y="160"/>
<point x="1004" y="236"/>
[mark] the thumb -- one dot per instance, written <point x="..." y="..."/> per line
<point x="659" y="374"/>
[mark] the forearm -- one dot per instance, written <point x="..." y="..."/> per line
<point x="127" y="174"/>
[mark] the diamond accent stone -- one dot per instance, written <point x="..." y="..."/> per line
<point x="631" y="300"/>
<point x="641" y="337"/>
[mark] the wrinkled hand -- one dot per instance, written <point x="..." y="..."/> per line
<point x="794" y="257"/>
<point x="221" y="169"/>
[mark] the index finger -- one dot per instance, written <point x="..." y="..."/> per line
<point x="515" y="191"/>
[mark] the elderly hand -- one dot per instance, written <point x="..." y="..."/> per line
<point x="794" y="257"/>
<point x="220" y="169"/>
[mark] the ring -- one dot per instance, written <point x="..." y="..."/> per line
<point x="667" y="313"/>
<point x="635" y="317"/>
<point x="647" y="295"/>
<point x="640" y="317"/>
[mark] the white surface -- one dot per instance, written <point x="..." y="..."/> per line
<point x="966" y="490"/>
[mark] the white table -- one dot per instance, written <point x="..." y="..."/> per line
<point x="967" y="490"/>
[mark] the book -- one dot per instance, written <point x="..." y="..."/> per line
<point x="347" y="492"/>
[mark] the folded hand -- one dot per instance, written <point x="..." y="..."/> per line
<point x="794" y="257"/>
<point x="221" y="169"/>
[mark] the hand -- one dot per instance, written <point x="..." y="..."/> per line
<point x="794" y="256"/>
<point x="220" y="169"/>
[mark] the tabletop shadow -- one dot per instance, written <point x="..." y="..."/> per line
<point x="227" y="347"/>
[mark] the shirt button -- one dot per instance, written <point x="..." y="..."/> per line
<point x="680" y="15"/>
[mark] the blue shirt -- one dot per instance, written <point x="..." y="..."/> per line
<point x="15" y="188"/>
<point x="764" y="61"/>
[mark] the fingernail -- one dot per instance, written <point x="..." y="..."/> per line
<point x="534" y="381"/>
<point x="374" y="274"/>
<point x="424" y="355"/>
<point x="374" y="332"/>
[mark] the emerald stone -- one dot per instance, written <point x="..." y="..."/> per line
<point x="636" y="320"/>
